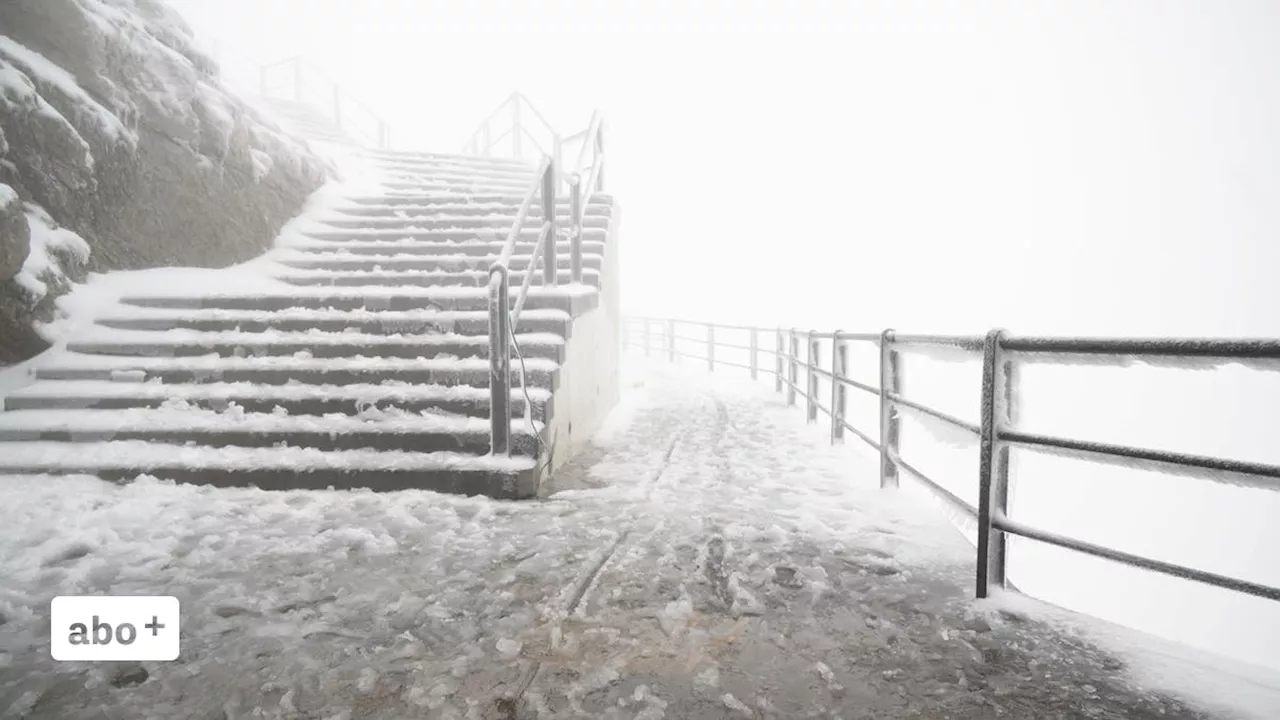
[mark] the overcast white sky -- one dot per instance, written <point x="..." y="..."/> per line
<point x="1058" y="166"/>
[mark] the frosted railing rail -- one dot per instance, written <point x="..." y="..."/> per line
<point x="546" y="183"/>
<point x="348" y="113"/>
<point x="996" y="432"/>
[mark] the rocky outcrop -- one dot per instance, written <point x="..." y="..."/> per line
<point x="118" y="129"/>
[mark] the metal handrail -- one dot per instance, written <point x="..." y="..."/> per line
<point x="341" y="98"/>
<point x="502" y="321"/>
<point x="996" y="432"/>
<point x="482" y="141"/>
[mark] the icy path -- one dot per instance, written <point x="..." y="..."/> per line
<point x="710" y="558"/>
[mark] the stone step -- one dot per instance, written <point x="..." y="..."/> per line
<point x="471" y="160"/>
<point x="466" y="323"/>
<point x="279" y="468"/>
<point x="429" y="168"/>
<point x="429" y="263"/>
<point x="388" y="249"/>
<point x="371" y="430"/>
<point x="464" y="209"/>
<point x="292" y="348"/>
<point x="338" y="388"/>
<point x="427" y="198"/>
<point x="429" y="222"/>
<point x="465" y="278"/>
<point x="480" y="178"/>
<point x="426" y="235"/>
<point x="259" y="370"/>
<point x="575" y="299"/>
<point x="478" y="186"/>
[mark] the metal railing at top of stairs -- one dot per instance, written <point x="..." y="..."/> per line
<point x="490" y="137"/>
<point x="295" y="70"/>
<point x="547" y="181"/>
<point x="996" y="431"/>
<point x="502" y="323"/>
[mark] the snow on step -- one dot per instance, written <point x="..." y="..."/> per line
<point x="388" y="390"/>
<point x="130" y="454"/>
<point x="457" y="234"/>
<point x="214" y="363"/>
<point x="556" y="321"/>
<point x="401" y="278"/>
<point x="313" y="337"/>
<point x="178" y="416"/>
<point x="402" y="262"/>
<point x="410" y="248"/>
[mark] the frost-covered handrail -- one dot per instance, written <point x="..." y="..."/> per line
<point x="340" y="98"/>
<point x="996" y="431"/>
<point x="502" y="321"/>
<point x="516" y="107"/>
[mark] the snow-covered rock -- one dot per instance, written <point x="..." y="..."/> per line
<point x="14" y="235"/>
<point x="117" y="128"/>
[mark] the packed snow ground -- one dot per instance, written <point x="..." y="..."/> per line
<point x="710" y="556"/>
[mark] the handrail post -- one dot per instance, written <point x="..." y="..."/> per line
<point x="793" y="372"/>
<point x="811" y="384"/>
<point x="297" y="79"/>
<point x="777" y="361"/>
<point x="556" y="148"/>
<point x="550" y="266"/>
<point x="515" y="126"/>
<point x="839" y="370"/>
<point x="671" y="341"/>
<point x="993" y="464"/>
<point x="711" y="347"/>
<point x="499" y="362"/>
<point x="599" y="141"/>
<point x="755" y="351"/>
<point x="576" y="220"/>
<point x="889" y="426"/>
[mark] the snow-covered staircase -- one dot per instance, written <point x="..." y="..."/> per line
<point x="360" y="360"/>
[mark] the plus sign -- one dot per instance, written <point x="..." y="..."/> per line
<point x="154" y="626"/>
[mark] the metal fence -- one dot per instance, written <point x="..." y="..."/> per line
<point x="798" y="365"/>
<point x="302" y="82"/>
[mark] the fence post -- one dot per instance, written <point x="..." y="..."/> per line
<point x="711" y="347"/>
<point x="550" y="265"/>
<point x="811" y="386"/>
<point x="793" y="372"/>
<point x="889" y="427"/>
<point x="993" y="464"/>
<point x="515" y="127"/>
<point x="839" y="369"/>
<point x="671" y="341"/>
<point x="755" y="349"/>
<point x="600" y="153"/>
<point x="777" y="361"/>
<point x="575" y="227"/>
<point x="499" y="363"/>
<point x="556" y="150"/>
